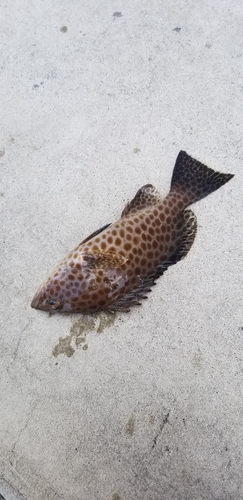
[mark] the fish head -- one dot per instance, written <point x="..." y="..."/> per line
<point x="89" y="283"/>
<point x="55" y="294"/>
<point x="44" y="302"/>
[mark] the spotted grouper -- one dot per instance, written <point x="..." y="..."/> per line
<point x="115" y="267"/>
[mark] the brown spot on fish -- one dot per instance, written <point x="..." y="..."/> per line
<point x="116" y="266"/>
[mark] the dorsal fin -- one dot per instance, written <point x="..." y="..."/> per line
<point x="146" y="197"/>
<point x="92" y="235"/>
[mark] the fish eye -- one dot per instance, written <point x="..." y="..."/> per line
<point x="55" y="304"/>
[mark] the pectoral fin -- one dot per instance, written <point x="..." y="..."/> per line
<point x="103" y="260"/>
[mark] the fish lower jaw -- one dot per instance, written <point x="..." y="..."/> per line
<point x="36" y="305"/>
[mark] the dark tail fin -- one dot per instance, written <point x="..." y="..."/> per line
<point x="195" y="179"/>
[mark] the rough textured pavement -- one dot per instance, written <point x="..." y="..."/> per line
<point x="97" y="99"/>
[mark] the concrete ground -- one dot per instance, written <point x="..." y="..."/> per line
<point x="97" y="99"/>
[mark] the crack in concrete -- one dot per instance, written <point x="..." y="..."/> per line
<point x="14" y="355"/>
<point x="161" y="427"/>
<point x="21" y="431"/>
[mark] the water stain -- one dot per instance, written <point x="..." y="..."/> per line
<point x="136" y="150"/>
<point x="96" y="323"/>
<point x="80" y="340"/>
<point x="151" y="420"/>
<point x="130" y="426"/>
<point x="116" y="497"/>
<point x="81" y="327"/>
<point x="64" y="347"/>
<point x="106" y="320"/>
<point x="64" y="29"/>
<point x="117" y="14"/>
<point x="197" y="360"/>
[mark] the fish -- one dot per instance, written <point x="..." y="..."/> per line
<point x="115" y="267"/>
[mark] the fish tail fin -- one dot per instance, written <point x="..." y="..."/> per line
<point x="194" y="180"/>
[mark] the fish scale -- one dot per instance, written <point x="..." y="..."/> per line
<point x="115" y="267"/>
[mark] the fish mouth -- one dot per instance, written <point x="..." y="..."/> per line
<point x="36" y="303"/>
<point x="49" y="305"/>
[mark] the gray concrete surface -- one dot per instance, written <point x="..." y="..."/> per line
<point x="8" y="492"/>
<point x="97" y="98"/>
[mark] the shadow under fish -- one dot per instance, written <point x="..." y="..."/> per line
<point x="115" y="267"/>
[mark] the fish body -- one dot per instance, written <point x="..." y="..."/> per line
<point x="115" y="267"/>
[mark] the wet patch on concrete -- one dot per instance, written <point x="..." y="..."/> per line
<point x="130" y="426"/>
<point x="197" y="360"/>
<point x="151" y="420"/>
<point x="97" y="323"/>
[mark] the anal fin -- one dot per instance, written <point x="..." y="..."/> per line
<point x="185" y="234"/>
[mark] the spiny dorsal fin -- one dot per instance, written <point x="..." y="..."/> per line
<point x="185" y="234"/>
<point x="94" y="234"/>
<point x="146" y="197"/>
